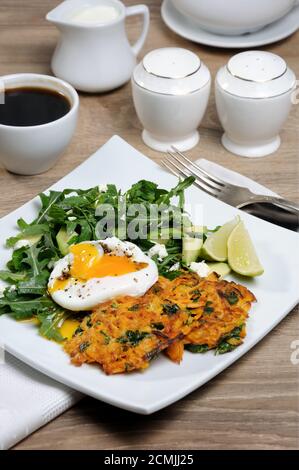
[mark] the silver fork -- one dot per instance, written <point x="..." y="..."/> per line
<point x="180" y="165"/>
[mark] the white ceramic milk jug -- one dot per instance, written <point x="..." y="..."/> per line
<point x="93" y="53"/>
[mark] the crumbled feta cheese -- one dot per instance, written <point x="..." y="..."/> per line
<point x="158" y="249"/>
<point x="175" y="267"/>
<point x="102" y="188"/>
<point x="3" y="286"/>
<point x="201" y="269"/>
<point x="72" y="194"/>
<point x="21" y="244"/>
<point x="71" y="218"/>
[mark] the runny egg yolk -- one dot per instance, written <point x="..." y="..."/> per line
<point x="88" y="263"/>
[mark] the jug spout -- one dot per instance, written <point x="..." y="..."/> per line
<point x="61" y="15"/>
<point x="87" y="14"/>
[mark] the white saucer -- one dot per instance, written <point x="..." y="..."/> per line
<point x="189" y="29"/>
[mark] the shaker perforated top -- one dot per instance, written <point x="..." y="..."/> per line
<point x="256" y="74"/>
<point x="171" y="62"/>
<point x="257" y="66"/>
<point x="171" y="71"/>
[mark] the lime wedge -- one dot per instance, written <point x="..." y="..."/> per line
<point x="222" y="269"/>
<point x="242" y="256"/>
<point x="215" y="246"/>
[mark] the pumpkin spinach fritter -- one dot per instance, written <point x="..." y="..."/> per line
<point x="222" y="326"/>
<point x="126" y="334"/>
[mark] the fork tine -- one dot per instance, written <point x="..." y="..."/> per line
<point x="198" y="174"/>
<point x="179" y="172"/>
<point x="213" y="178"/>
<point x="171" y="169"/>
<point x="200" y="181"/>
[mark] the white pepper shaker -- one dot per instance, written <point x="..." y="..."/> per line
<point x="171" y="89"/>
<point x="253" y="99"/>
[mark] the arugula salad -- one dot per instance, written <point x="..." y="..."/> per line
<point x="68" y="217"/>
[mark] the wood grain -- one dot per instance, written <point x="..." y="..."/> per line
<point x="254" y="404"/>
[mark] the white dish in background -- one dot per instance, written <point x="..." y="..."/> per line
<point x="189" y="29"/>
<point x="233" y="17"/>
<point x="164" y="382"/>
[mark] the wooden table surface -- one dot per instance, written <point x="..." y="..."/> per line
<point x="253" y="404"/>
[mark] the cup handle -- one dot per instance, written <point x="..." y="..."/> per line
<point x="144" y="11"/>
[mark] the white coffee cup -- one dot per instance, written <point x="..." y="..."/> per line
<point x="234" y="17"/>
<point x="30" y="150"/>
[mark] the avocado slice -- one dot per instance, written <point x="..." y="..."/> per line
<point x="191" y="249"/>
<point x="63" y="238"/>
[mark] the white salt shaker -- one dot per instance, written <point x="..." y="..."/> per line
<point x="253" y="99"/>
<point x="171" y="89"/>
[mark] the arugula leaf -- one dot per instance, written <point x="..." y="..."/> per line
<point x="47" y="202"/>
<point x="31" y="258"/>
<point x="178" y="190"/>
<point x="35" y="285"/>
<point x="57" y="213"/>
<point x="27" y="232"/>
<point x="50" y="323"/>
<point x="9" y="276"/>
<point x="21" y="307"/>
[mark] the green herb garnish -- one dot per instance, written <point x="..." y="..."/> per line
<point x="107" y="337"/>
<point x="224" y="346"/>
<point x="132" y="338"/>
<point x="171" y="309"/>
<point x="158" y="326"/>
<point x="208" y="307"/>
<point x="84" y="346"/>
<point x="197" y="348"/>
<point x="232" y="298"/>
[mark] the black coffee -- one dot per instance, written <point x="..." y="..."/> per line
<point x="32" y="106"/>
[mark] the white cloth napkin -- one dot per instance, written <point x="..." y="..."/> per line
<point x="235" y="178"/>
<point x="29" y="399"/>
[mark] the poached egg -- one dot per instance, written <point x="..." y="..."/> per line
<point x="94" y="272"/>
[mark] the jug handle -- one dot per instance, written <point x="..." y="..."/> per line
<point x="144" y="11"/>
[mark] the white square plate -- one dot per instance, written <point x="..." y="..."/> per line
<point x="164" y="382"/>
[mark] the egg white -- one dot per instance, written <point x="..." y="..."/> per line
<point x="86" y="295"/>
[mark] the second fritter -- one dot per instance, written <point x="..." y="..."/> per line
<point x="126" y="334"/>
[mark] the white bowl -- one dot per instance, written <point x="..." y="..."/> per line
<point x="234" y="17"/>
<point x="31" y="150"/>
